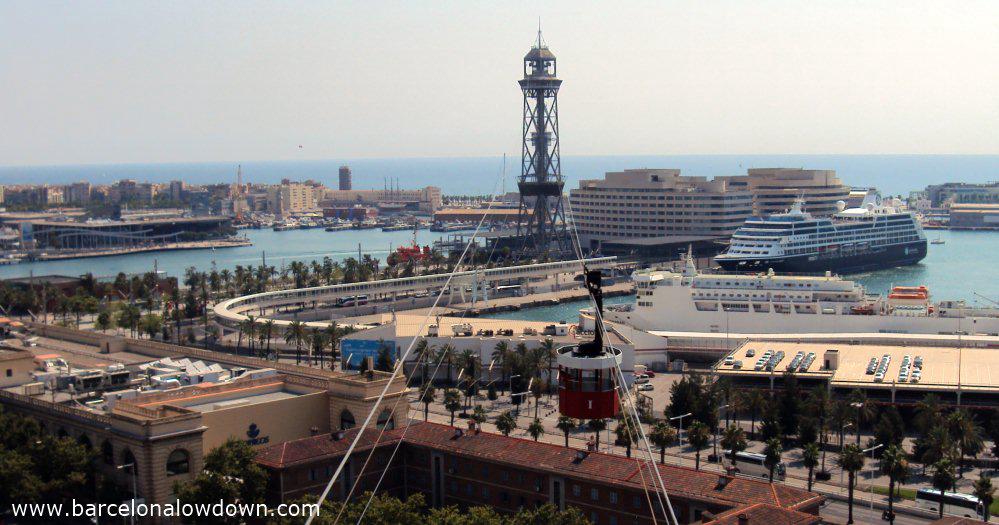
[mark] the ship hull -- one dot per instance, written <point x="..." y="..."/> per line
<point x="839" y="262"/>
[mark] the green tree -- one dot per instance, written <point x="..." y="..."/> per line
<point x="427" y="397"/>
<point x="895" y="465"/>
<point x="479" y="415"/>
<point x="734" y="440"/>
<point x="596" y="426"/>
<point x="151" y="324"/>
<point x="810" y="459"/>
<point x="985" y="492"/>
<point x="566" y="424"/>
<point x="452" y="402"/>
<point x="623" y="433"/>
<point x="851" y="460"/>
<point x="967" y="435"/>
<point x="384" y="361"/>
<point x="536" y="429"/>
<point x="505" y="423"/>
<point x="663" y="435"/>
<point x="698" y="436"/>
<point x="295" y="333"/>
<point x="772" y="453"/>
<point x="943" y="477"/>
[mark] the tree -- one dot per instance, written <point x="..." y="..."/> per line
<point x="943" y="478"/>
<point x="505" y="423"/>
<point x="895" y="465"/>
<point x="231" y="474"/>
<point x="446" y="354"/>
<point x="151" y="324"/>
<point x="734" y="440"/>
<point x="890" y="429"/>
<point x="756" y="403"/>
<point x="506" y="360"/>
<point x="789" y="404"/>
<point x="424" y="353"/>
<point x="427" y="397"/>
<point x="698" y="435"/>
<point x="966" y="435"/>
<point x="267" y="333"/>
<point x="104" y="321"/>
<point x="479" y="415"/>
<point x="384" y="361"/>
<point x="452" y="402"/>
<point x="596" y="426"/>
<point x="623" y="433"/>
<point x="295" y="333"/>
<point x="810" y="459"/>
<point x="566" y="424"/>
<point x="663" y="435"/>
<point x="772" y="453"/>
<point x="985" y="492"/>
<point x="851" y="460"/>
<point x="536" y="429"/>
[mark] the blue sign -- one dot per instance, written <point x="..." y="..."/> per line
<point x="253" y="433"/>
<point x="358" y="349"/>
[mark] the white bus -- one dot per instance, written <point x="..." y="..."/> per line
<point x="953" y="503"/>
<point x="352" y="301"/>
<point x="753" y="464"/>
<point x="510" y="289"/>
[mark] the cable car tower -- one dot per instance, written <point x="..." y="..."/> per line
<point x="541" y="227"/>
<point x="587" y="372"/>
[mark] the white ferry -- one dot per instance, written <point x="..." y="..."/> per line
<point x="766" y="302"/>
<point x="874" y="235"/>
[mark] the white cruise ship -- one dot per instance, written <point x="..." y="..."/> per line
<point x="765" y="302"/>
<point x="871" y="236"/>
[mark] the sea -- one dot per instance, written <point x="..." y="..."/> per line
<point x="961" y="268"/>
<point x="892" y="174"/>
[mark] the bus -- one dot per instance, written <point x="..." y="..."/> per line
<point x="510" y="289"/>
<point x="359" y="300"/>
<point x="953" y="503"/>
<point x="753" y="464"/>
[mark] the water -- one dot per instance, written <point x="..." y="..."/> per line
<point x="955" y="270"/>
<point x="566" y="311"/>
<point x="892" y="174"/>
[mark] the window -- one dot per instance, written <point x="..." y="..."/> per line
<point x="313" y="475"/>
<point x="469" y="489"/>
<point x="178" y="462"/>
<point x="613" y="497"/>
<point x="107" y="452"/>
<point x="505" y="497"/>
<point x="347" y="420"/>
<point x="127" y="458"/>
<point x="10" y="372"/>
<point x="612" y="520"/>
<point x="594" y="494"/>
<point x="385" y="420"/>
<point x="575" y="490"/>
<point x="636" y="502"/>
<point x="485" y="493"/>
<point x="594" y="519"/>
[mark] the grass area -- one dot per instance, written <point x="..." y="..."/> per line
<point x="910" y="494"/>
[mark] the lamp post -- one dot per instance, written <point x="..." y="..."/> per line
<point x="680" y="431"/>
<point x="870" y="478"/>
<point x="714" y="431"/>
<point x="135" y="494"/>
<point x="858" y="405"/>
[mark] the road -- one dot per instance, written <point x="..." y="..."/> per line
<point x="836" y="512"/>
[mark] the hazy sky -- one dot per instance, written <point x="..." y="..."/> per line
<point x="132" y="81"/>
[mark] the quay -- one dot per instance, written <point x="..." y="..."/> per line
<point x="173" y="246"/>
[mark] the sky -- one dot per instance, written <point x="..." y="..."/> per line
<point x="191" y="81"/>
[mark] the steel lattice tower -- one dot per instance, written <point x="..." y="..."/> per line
<point x="541" y="226"/>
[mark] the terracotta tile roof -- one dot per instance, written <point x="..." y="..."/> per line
<point x="307" y="450"/>
<point x="551" y="458"/>
<point x="765" y="514"/>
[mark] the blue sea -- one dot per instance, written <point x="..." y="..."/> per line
<point x="892" y="174"/>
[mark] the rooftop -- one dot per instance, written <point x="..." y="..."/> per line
<point x="551" y="458"/>
<point x="410" y="326"/>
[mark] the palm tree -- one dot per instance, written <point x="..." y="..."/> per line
<point x="895" y="465"/>
<point x="596" y="426"/>
<point x="446" y="354"/>
<point x="251" y="331"/>
<point x="536" y="429"/>
<point x="772" y="451"/>
<point x="549" y="353"/>
<point x="452" y="402"/>
<point x="267" y="332"/>
<point x="698" y="436"/>
<point x="810" y="458"/>
<point x="863" y="410"/>
<point x="966" y="434"/>
<point x="295" y="333"/>
<point x="622" y="433"/>
<point x="986" y="493"/>
<point x="663" y="435"/>
<point x="333" y="336"/>
<point x="424" y="353"/>
<point x="505" y="356"/>
<point x="479" y="415"/>
<point x="505" y="423"/>
<point x="755" y="402"/>
<point x="427" y="397"/>
<point x="943" y="478"/>
<point x="840" y="415"/>
<point x="734" y="440"/>
<point x="851" y="459"/>
<point x="566" y="424"/>
<point x="819" y="402"/>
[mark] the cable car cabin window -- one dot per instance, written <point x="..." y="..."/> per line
<point x="596" y="380"/>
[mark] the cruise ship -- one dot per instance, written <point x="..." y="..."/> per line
<point x="765" y="302"/>
<point x="869" y="237"/>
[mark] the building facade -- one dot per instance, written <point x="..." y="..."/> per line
<point x="648" y="203"/>
<point x="345" y="179"/>
<point x="775" y="189"/>
<point x="427" y="199"/>
<point x="294" y="197"/>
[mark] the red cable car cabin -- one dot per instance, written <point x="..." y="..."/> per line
<point x="587" y="386"/>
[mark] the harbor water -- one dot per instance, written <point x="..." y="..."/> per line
<point x="961" y="268"/>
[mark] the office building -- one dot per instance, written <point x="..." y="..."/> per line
<point x="775" y="189"/>
<point x="77" y="193"/>
<point x="294" y="197"/>
<point x="345" y="179"/>
<point x="941" y="195"/>
<point x="426" y="200"/>
<point x="657" y="204"/>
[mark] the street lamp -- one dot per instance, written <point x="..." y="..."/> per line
<point x="715" y="431"/>
<point x="870" y="479"/>
<point x="680" y="418"/>
<point x="858" y="405"/>
<point x="135" y="494"/>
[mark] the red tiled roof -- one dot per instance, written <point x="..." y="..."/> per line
<point x="765" y="514"/>
<point x="305" y="450"/>
<point x="551" y="458"/>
